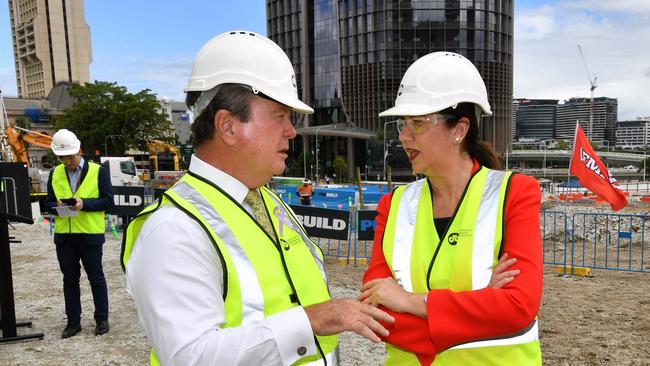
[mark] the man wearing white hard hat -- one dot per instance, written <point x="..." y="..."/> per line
<point x="457" y="255"/>
<point x="85" y="188"/>
<point x="220" y="269"/>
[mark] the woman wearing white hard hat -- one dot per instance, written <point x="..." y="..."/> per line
<point x="435" y="260"/>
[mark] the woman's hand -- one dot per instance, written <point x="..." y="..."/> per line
<point x="386" y="292"/>
<point x="501" y="277"/>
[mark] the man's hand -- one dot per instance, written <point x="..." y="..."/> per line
<point x="501" y="277"/>
<point x="76" y="207"/>
<point x="79" y="205"/>
<point x="386" y="292"/>
<point x="337" y="316"/>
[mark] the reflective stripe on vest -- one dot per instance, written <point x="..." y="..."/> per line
<point x="252" y="291"/>
<point x="479" y="218"/>
<point x="252" y="299"/>
<point x="87" y="222"/>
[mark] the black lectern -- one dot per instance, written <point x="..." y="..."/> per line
<point x="14" y="206"/>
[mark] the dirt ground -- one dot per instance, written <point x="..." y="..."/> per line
<point x="601" y="320"/>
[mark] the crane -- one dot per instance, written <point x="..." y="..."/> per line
<point x="592" y="86"/>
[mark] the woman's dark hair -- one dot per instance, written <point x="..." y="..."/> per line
<point x="482" y="151"/>
<point x="233" y="97"/>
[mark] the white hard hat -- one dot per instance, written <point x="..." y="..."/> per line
<point x="242" y="57"/>
<point x="64" y="143"/>
<point x="436" y="82"/>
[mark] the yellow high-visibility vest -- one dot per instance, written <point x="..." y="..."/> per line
<point x="411" y="242"/>
<point x="88" y="222"/>
<point x="284" y="274"/>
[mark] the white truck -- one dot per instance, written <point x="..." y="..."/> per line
<point x="122" y="170"/>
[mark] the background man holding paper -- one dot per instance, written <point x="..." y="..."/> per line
<point x="82" y="187"/>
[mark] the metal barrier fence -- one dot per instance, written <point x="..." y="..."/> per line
<point x="596" y="240"/>
<point x="586" y="239"/>
<point x="593" y="240"/>
<point x="352" y="250"/>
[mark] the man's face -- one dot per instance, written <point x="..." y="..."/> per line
<point x="70" y="161"/>
<point x="265" y="138"/>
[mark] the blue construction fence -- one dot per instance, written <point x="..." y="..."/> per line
<point x="333" y="196"/>
<point x="334" y="220"/>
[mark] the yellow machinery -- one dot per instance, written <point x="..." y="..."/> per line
<point x="157" y="148"/>
<point x="17" y="136"/>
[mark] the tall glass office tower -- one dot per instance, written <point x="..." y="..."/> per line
<point x="351" y="54"/>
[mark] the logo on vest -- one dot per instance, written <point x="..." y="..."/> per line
<point x="287" y="243"/>
<point x="452" y="239"/>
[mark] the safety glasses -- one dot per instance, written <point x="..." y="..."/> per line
<point x="420" y="124"/>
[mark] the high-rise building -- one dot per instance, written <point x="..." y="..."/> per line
<point x="350" y="55"/>
<point x="51" y="43"/>
<point x="535" y="118"/>
<point x="605" y="115"/>
<point x="178" y="114"/>
<point x="633" y="134"/>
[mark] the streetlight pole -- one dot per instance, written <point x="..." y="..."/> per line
<point x="645" y="142"/>
<point x="385" y="155"/>
<point x="304" y="156"/>
<point x="106" y="143"/>
<point x="317" y="154"/>
<point x="544" y="164"/>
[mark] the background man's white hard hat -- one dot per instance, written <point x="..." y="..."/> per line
<point x="65" y="142"/>
<point x="242" y="57"/>
<point x="438" y="81"/>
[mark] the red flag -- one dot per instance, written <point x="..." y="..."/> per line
<point x="593" y="174"/>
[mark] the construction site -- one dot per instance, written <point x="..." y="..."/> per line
<point x="348" y="59"/>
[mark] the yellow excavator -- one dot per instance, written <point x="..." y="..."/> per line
<point x="159" y="150"/>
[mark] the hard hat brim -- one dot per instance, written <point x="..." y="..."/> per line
<point x="290" y="101"/>
<point x="409" y="110"/>
<point x="419" y="110"/>
<point x="295" y="104"/>
<point x="65" y="152"/>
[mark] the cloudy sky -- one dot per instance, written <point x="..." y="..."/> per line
<point x="140" y="46"/>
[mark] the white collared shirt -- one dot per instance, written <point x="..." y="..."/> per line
<point x="175" y="277"/>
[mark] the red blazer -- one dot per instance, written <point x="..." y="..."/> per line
<point x="460" y="317"/>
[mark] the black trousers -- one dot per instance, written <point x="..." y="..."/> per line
<point x="70" y="252"/>
<point x="305" y="200"/>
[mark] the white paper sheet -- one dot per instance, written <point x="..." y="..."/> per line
<point x="66" y="211"/>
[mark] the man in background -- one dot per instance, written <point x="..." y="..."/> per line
<point x="82" y="192"/>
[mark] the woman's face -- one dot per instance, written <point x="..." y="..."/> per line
<point x="428" y="141"/>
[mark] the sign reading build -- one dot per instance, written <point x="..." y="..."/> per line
<point x="128" y="200"/>
<point x="323" y="222"/>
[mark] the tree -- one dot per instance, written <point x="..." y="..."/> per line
<point x="23" y="122"/>
<point x="102" y="109"/>
<point x="340" y="165"/>
<point x="562" y="145"/>
<point x="297" y="165"/>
